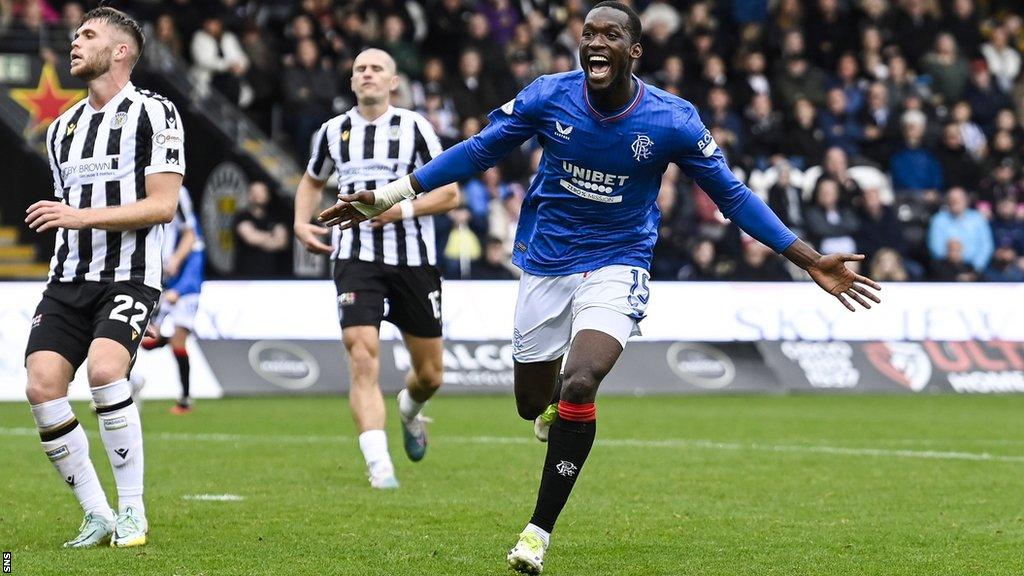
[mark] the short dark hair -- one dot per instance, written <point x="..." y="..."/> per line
<point x="122" y="22"/>
<point x="634" y="27"/>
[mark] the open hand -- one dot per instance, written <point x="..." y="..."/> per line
<point x="830" y="272"/>
<point x="48" y="215"/>
<point x="344" y="214"/>
<point x="309" y="235"/>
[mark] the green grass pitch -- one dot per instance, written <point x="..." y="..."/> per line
<point x="737" y="485"/>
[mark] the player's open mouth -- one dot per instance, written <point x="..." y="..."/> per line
<point x="599" y="66"/>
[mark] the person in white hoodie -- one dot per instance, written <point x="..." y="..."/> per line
<point x="1003" y="61"/>
<point x="219" y="62"/>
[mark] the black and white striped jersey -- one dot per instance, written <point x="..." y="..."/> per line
<point x="367" y="155"/>
<point x="101" y="158"/>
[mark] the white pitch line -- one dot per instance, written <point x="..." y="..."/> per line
<point x="213" y="497"/>
<point x="676" y="443"/>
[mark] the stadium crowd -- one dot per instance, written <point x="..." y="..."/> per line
<point x="887" y="127"/>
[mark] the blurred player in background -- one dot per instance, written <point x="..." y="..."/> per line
<point x="587" y="231"/>
<point x="183" y="256"/>
<point x="117" y="159"/>
<point x="385" y="268"/>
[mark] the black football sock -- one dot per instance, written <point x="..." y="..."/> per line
<point x="569" y="443"/>
<point x="181" y="355"/>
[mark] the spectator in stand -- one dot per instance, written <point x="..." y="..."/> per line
<point x="502" y="19"/>
<point x="1002" y="59"/>
<point x="219" y="61"/>
<point x="703" y="265"/>
<point x="765" y="133"/>
<point x="848" y="79"/>
<point x="947" y="69"/>
<point x="492" y="54"/>
<point x="878" y="15"/>
<point x="309" y="87"/>
<point x="263" y="76"/>
<point x="166" y="32"/>
<point x="719" y="114"/>
<point x="29" y="34"/>
<point x="839" y="126"/>
<point x="524" y="41"/>
<point x="836" y="166"/>
<point x="446" y="34"/>
<point x="830" y="226"/>
<point x="752" y="81"/>
<point x="495" y="263"/>
<point x="972" y="135"/>
<point x="887" y="264"/>
<point x="1004" y="267"/>
<point x="1007" y="225"/>
<point x="916" y="25"/>
<point x="952" y="267"/>
<point x="829" y="32"/>
<point x="804" y="140"/>
<point x="872" y="60"/>
<point x="879" y="229"/>
<point x="878" y="125"/>
<point x="712" y="76"/>
<point x="788" y="16"/>
<point x="958" y="168"/>
<point x="522" y="70"/>
<point x="395" y="43"/>
<point x="799" y="80"/>
<point x="916" y="173"/>
<point x="1006" y="121"/>
<point x="962" y="22"/>
<point x="984" y="96"/>
<point x="473" y="94"/>
<point x="785" y="199"/>
<point x="960" y="222"/>
<point x="1002" y="183"/>
<point x="676" y="228"/>
<point x="261" y="236"/>
<point x="758" y="263"/>
<point x="901" y="82"/>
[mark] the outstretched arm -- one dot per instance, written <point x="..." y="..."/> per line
<point x="831" y="274"/>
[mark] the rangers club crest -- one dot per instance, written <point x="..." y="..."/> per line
<point x="566" y="468"/>
<point x="642" y="147"/>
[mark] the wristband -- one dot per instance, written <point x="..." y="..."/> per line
<point x="408" y="210"/>
<point x="387" y="196"/>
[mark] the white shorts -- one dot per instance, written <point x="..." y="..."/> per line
<point x="550" y="310"/>
<point x="183" y="312"/>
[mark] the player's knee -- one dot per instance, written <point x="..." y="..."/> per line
<point x="530" y="408"/>
<point x="430" y="377"/>
<point x="43" y="385"/>
<point x="103" y="372"/>
<point x="580" y="387"/>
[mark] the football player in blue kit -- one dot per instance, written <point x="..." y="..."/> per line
<point x="586" y="234"/>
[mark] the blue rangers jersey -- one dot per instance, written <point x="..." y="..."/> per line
<point x="593" y="201"/>
<point x="189" y="278"/>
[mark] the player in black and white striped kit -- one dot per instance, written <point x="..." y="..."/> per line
<point x="118" y="160"/>
<point x="389" y="259"/>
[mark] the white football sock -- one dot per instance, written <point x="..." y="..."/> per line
<point x="67" y="447"/>
<point x="545" y="536"/>
<point x="121" y="432"/>
<point x="408" y="407"/>
<point x="374" y="444"/>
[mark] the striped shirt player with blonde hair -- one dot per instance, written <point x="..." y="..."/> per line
<point x="117" y="159"/>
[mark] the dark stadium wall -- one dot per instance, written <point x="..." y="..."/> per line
<point x="25" y="178"/>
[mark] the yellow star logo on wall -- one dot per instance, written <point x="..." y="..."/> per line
<point x="47" y="101"/>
